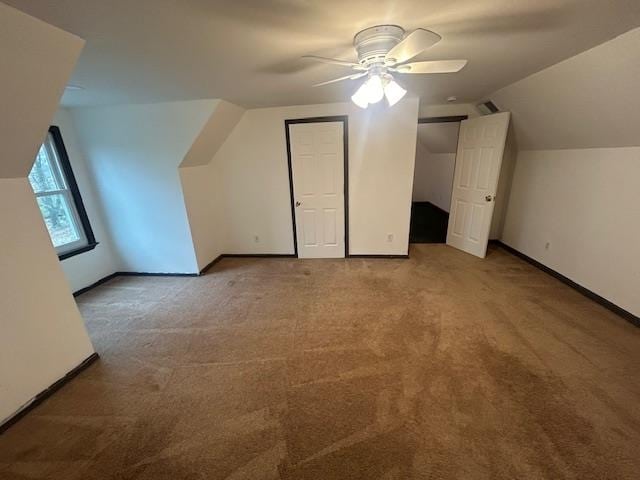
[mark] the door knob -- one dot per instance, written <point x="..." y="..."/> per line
<point x="298" y="204"/>
<point x="488" y="198"/>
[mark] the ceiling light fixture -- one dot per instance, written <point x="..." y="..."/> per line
<point x="385" y="51"/>
<point x="361" y="97"/>
<point x="393" y="92"/>
<point x="375" y="88"/>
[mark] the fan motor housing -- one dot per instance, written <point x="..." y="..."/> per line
<point x="373" y="43"/>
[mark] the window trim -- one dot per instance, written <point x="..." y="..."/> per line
<point x="72" y="185"/>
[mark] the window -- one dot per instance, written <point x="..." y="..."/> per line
<point x="59" y="199"/>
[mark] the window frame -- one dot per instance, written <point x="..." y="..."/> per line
<point x="77" y="210"/>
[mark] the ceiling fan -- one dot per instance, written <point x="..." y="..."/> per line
<point x="384" y="51"/>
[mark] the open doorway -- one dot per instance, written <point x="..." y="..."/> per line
<point x="433" y="178"/>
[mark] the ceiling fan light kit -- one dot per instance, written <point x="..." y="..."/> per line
<point x="377" y="87"/>
<point x="382" y="51"/>
<point x="394" y="92"/>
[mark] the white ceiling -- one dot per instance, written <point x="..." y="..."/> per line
<point x="247" y="51"/>
<point x="439" y="137"/>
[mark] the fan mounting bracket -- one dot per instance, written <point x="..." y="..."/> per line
<point x="373" y="43"/>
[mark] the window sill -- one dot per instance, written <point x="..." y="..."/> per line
<point x="77" y="251"/>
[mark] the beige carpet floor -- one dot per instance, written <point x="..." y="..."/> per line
<point x="442" y="366"/>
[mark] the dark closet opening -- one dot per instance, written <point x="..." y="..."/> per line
<point x="433" y="178"/>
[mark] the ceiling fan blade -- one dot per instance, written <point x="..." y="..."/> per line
<point x="413" y="44"/>
<point x="333" y="61"/>
<point x="348" y="77"/>
<point x="434" y="66"/>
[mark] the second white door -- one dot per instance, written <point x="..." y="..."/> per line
<point x="475" y="180"/>
<point x="317" y="163"/>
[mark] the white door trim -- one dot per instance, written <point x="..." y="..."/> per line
<point x="345" y="143"/>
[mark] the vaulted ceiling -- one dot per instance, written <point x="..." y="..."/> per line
<point x="248" y="51"/>
<point x="590" y="100"/>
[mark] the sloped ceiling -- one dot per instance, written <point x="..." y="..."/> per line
<point x="588" y="101"/>
<point x="222" y="121"/>
<point x="439" y="137"/>
<point x="40" y="58"/>
<point x="248" y="51"/>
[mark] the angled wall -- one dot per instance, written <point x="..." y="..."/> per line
<point x="435" y="163"/>
<point x="134" y="152"/>
<point x="36" y="61"/>
<point x="202" y="184"/>
<point x="573" y="204"/>
<point x="433" y="177"/>
<point x="591" y="100"/>
<point x="204" y="200"/>
<point x="223" y="119"/>
<point x="42" y="336"/>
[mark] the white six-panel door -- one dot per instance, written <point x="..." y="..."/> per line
<point x="478" y="160"/>
<point x="317" y="162"/>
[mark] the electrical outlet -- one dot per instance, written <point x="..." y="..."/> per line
<point x="256" y="239"/>
<point x="547" y="245"/>
<point x="389" y="237"/>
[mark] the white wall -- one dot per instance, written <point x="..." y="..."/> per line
<point x="585" y="204"/>
<point x="253" y="164"/>
<point x="203" y="189"/>
<point x="88" y="267"/>
<point x="134" y="152"/>
<point x="505" y="182"/>
<point x="42" y="336"/>
<point x="203" y="186"/>
<point x="433" y="177"/>
<point x="576" y="180"/>
<point x="244" y="191"/>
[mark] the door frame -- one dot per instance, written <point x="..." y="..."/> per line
<point x="345" y="145"/>
<point x="447" y="119"/>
